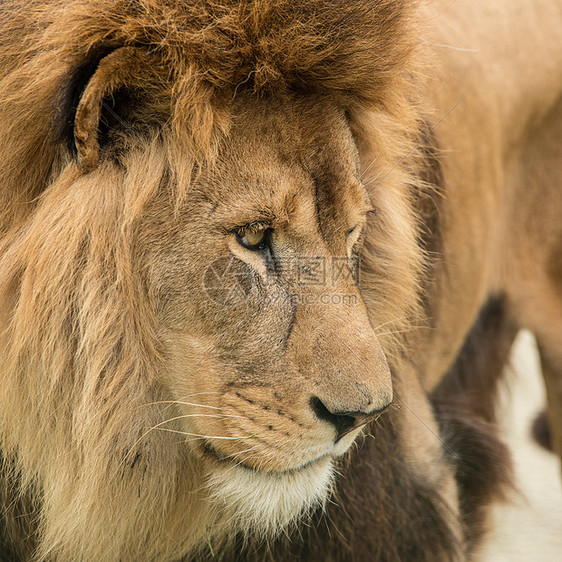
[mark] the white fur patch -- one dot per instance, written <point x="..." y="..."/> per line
<point x="265" y="503"/>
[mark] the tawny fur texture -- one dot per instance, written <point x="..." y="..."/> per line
<point x="131" y="134"/>
<point x="147" y="413"/>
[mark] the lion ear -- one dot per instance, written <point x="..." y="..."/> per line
<point x="118" y="71"/>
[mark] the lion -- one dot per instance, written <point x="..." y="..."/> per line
<point x="247" y="253"/>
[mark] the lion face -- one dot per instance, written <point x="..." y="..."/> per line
<point x="270" y="359"/>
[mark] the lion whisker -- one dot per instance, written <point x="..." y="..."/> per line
<point x="158" y="426"/>
<point x="392" y="332"/>
<point x="196" y="405"/>
<point x="199" y="436"/>
<point x="181" y="403"/>
<point x="365" y="171"/>
<point x="379" y="326"/>
<point x="234" y="455"/>
<point x="198" y="394"/>
<point x="267" y="455"/>
<point x="222" y="416"/>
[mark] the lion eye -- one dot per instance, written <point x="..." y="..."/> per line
<point x="353" y="234"/>
<point x="252" y="239"/>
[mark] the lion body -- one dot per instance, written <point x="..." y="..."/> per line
<point x="508" y="106"/>
<point x="141" y="417"/>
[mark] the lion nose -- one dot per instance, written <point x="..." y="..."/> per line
<point x="344" y="422"/>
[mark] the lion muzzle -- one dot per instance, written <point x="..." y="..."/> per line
<point x="345" y="421"/>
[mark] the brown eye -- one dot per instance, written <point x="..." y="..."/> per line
<point x="252" y="239"/>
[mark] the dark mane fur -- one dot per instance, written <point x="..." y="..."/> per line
<point x="205" y="52"/>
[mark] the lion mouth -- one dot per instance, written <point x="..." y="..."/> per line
<point x="212" y="452"/>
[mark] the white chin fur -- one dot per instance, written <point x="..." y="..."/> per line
<point x="265" y="503"/>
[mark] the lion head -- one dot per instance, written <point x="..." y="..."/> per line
<point x="189" y="342"/>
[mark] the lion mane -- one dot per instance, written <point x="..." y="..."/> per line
<point x="122" y="380"/>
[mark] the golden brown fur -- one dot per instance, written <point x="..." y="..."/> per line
<point x="138" y="139"/>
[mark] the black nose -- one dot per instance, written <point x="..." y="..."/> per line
<point x="344" y="422"/>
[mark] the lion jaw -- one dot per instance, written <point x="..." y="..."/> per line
<point x="265" y="503"/>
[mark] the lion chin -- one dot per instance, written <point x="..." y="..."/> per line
<point x="264" y="503"/>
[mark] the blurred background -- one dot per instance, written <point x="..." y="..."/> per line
<point x="529" y="527"/>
